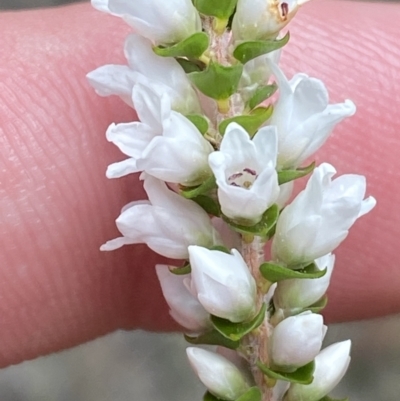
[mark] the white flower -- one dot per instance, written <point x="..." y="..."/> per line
<point x="245" y="172"/>
<point x="297" y="340"/>
<point x="184" y="307"/>
<point x="156" y="144"/>
<point x="301" y="293"/>
<point x="303" y="116"/>
<point x="168" y="225"/>
<point x="163" y="23"/>
<point x="223" y="283"/>
<point x="146" y="67"/>
<point x="262" y="19"/>
<point x="330" y="366"/>
<point x="180" y="155"/>
<point x="285" y="193"/>
<point x="319" y="218"/>
<point x="221" y="377"/>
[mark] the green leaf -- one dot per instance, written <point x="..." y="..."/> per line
<point x="193" y="192"/>
<point x="209" y="397"/>
<point x="212" y="338"/>
<point x="253" y="394"/>
<point x="199" y="121"/>
<point x="220" y="248"/>
<point x="303" y="375"/>
<point x="192" y="47"/>
<point x="217" y="81"/>
<point x="262" y="93"/>
<point x="274" y="273"/>
<point x="285" y="176"/>
<point x="262" y="228"/>
<point x="210" y="205"/>
<point x="249" y="50"/>
<point x="189" y="66"/>
<point x="251" y="122"/>
<point x="235" y="331"/>
<point x="222" y="9"/>
<point x="326" y="398"/>
<point x="180" y="271"/>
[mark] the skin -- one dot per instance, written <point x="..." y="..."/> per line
<point x="57" y="289"/>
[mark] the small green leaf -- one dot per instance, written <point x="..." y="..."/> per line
<point x="199" y="121"/>
<point x="285" y="176"/>
<point x="193" y="192"/>
<point x="210" y="205"/>
<point x="222" y="9"/>
<point x="212" y="338"/>
<point x="253" y="394"/>
<point x="249" y="50"/>
<point x="262" y="228"/>
<point x="274" y="273"/>
<point x="303" y="375"/>
<point x="326" y="398"/>
<point x="192" y="47"/>
<point x="251" y="122"/>
<point x="262" y="93"/>
<point x="217" y="81"/>
<point x="209" y="397"/>
<point x="180" y="271"/>
<point x="235" y="331"/>
<point x="189" y="66"/>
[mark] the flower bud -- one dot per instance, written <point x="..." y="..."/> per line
<point x="221" y="377"/>
<point x="330" y="366"/>
<point x="297" y="340"/>
<point x="262" y="19"/>
<point x="301" y="293"/>
<point x="185" y="308"/>
<point x="223" y="283"/>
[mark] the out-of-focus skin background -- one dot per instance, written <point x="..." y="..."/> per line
<point x="127" y="366"/>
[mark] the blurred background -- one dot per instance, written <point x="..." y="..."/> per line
<point x="133" y="366"/>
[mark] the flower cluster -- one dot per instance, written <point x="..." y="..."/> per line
<point x="218" y="153"/>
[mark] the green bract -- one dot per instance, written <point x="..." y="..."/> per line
<point x="262" y="93"/>
<point x="180" y="271"/>
<point x="249" y="50"/>
<point x="213" y="337"/>
<point x="222" y="9"/>
<point x="235" y="331"/>
<point x="209" y="204"/>
<point x="274" y="273"/>
<point x="250" y="122"/>
<point x="253" y="394"/>
<point x="285" y="176"/>
<point x="263" y="228"/>
<point x="217" y="81"/>
<point x="199" y="121"/>
<point x="193" y="192"/>
<point x="303" y="375"/>
<point x="192" y="47"/>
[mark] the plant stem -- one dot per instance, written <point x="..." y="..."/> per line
<point x="257" y="342"/>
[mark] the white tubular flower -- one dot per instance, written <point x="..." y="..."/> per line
<point x="180" y="155"/>
<point x="262" y="19"/>
<point x="297" y="340"/>
<point x="163" y="23"/>
<point x="184" y="307"/>
<point x="285" y="193"/>
<point x="330" y="366"/>
<point x="303" y="116"/>
<point x="245" y="172"/>
<point x="320" y="217"/>
<point x="221" y="377"/>
<point x="146" y="67"/>
<point x="168" y="225"/>
<point x="223" y="283"/>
